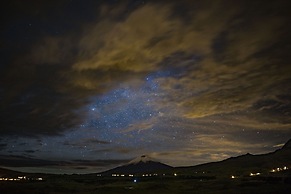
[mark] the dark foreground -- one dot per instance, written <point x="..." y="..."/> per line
<point x="158" y="185"/>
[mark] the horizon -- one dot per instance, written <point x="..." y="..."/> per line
<point x="54" y="170"/>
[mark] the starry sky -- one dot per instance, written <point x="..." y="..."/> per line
<point x="89" y="85"/>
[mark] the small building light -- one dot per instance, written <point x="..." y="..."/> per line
<point x="255" y="174"/>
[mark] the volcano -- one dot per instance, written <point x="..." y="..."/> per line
<point x="140" y="165"/>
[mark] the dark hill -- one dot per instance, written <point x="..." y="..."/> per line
<point x="244" y="164"/>
<point x="287" y="145"/>
<point x="6" y="172"/>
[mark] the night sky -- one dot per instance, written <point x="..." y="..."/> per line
<point x="88" y="85"/>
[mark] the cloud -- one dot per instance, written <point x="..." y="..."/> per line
<point x="85" y="142"/>
<point x="3" y="146"/>
<point x="30" y="151"/>
<point x="23" y="161"/>
<point x="145" y="38"/>
<point x="231" y="72"/>
<point x="209" y="148"/>
<point x="139" y="126"/>
<point x="16" y="161"/>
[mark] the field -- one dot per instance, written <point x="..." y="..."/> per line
<point x="157" y="185"/>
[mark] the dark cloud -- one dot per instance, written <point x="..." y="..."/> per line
<point x="97" y="141"/>
<point x="23" y="161"/>
<point x="22" y="144"/>
<point x="118" y="150"/>
<point x="98" y="162"/>
<point x="85" y="142"/>
<point x="31" y="92"/>
<point x="19" y="161"/>
<point x="30" y="151"/>
<point x="3" y="146"/>
<point x="278" y="107"/>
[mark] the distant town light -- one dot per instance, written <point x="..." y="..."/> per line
<point x="134" y="180"/>
<point x="175" y="174"/>
<point x="19" y="178"/>
<point x="279" y="169"/>
<point x="255" y="174"/>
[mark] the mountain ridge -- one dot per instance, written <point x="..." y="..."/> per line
<point x="243" y="163"/>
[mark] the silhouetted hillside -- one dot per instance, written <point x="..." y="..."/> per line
<point x="244" y="164"/>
